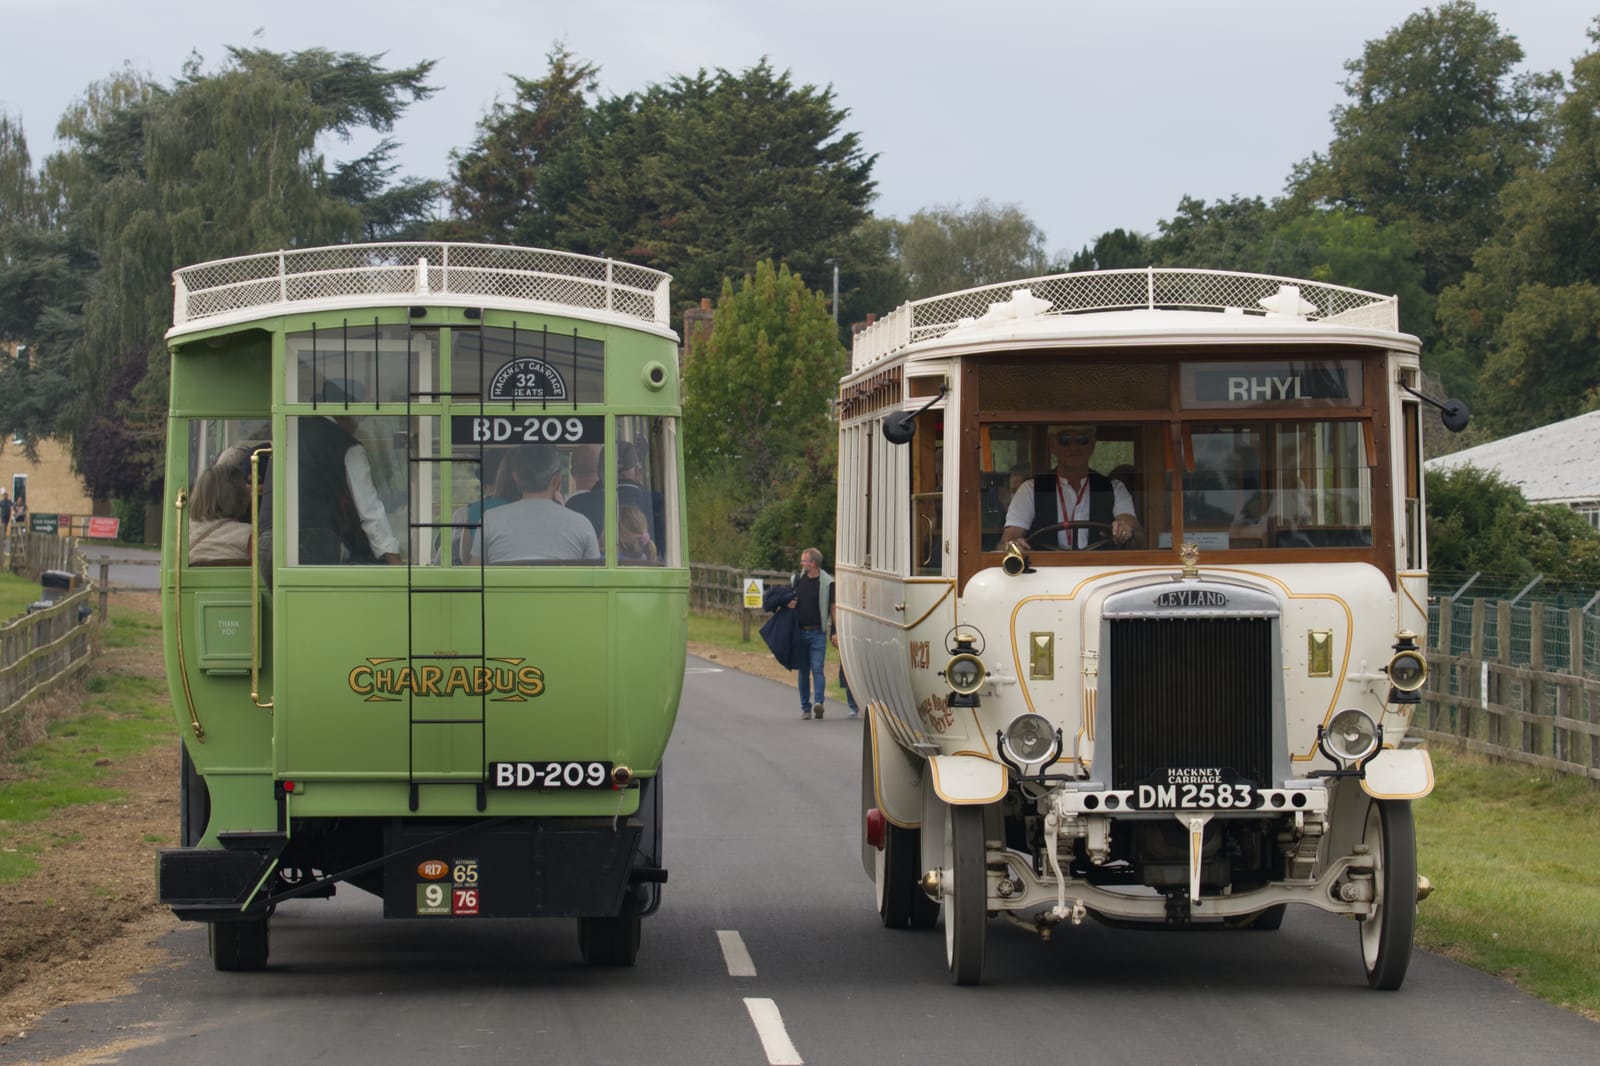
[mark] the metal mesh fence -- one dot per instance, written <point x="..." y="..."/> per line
<point x="1554" y="627"/>
<point x="1104" y="290"/>
<point x="404" y="269"/>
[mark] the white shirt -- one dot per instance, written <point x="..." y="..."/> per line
<point x="1076" y="496"/>
<point x="374" y="519"/>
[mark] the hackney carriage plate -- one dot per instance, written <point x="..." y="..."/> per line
<point x="1205" y="788"/>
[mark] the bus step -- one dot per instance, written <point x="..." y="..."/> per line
<point x="483" y="796"/>
<point x="252" y="840"/>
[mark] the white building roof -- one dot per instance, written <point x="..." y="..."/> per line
<point x="1557" y="463"/>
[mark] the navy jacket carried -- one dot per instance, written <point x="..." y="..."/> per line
<point x="782" y="630"/>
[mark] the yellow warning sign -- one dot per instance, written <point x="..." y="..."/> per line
<point x="753" y="593"/>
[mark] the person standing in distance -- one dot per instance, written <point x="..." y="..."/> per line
<point x="813" y="606"/>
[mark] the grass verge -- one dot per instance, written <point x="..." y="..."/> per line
<point x="1514" y="856"/>
<point x="16" y="593"/>
<point x="88" y="731"/>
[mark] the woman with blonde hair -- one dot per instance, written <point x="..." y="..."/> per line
<point x="219" y="509"/>
<point x="633" y="536"/>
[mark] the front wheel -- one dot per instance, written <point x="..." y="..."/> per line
<point x="1391" y="839"/>
<point x="965" y="905"/>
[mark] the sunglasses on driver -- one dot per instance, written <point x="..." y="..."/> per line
<point x="1074" y="438"/>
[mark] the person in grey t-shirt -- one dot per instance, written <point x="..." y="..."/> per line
<point x="536" y="528"/>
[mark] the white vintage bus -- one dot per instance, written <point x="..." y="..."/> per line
<point x="1131" y="577"/>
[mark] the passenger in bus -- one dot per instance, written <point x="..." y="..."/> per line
<point x="631" y="488"/>
<point x="342" y="517"/>
<point x="588" y="497"/>
<point x="535" y="528"/>
<point x="630" y="492"/>
<point x="1072" y="493"/>
<point x="585" y="468"/>
<point x="503" y="490"/>
<point x="1019" y="475"/>
<point x="634" y="544"/>
<point x="219" y="515"/>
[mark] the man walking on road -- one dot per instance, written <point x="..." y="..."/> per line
<point x="813" y="604"/>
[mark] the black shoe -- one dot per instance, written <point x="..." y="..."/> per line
<point x="816" y="712"/>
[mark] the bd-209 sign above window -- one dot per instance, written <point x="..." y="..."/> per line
<point x="546" y="428"/>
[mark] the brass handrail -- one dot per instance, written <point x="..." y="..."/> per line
<point x="179" y="503"/>
<point x="255" y="575"/>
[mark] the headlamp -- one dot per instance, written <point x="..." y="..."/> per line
<point x="1407" y="670"/>
<point x="965" y="673"/>
<point x="1350" y="737"/>
<point x="1030" y="740"/>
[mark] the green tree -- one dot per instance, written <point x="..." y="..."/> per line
<point x="1226" y="235"/>
<point x="1479" y="523"/>
<point x="511" y="185"/>
<point x="710" y="174"/>
<point x="1341" y="247"/>
<point x="945" y="248"/>
<point x="1437" y="124"/>
<point x="1116" y="249"/>
<point x="1523" y="326"/>
<point x="759" y="445"/>
<point x="218" y="164"/>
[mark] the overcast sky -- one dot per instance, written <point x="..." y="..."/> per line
<point x="1088" y="116"/>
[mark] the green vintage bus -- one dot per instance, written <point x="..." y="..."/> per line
<point x="424" y="588"/>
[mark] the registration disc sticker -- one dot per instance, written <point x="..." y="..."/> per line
<point x="433" y="898"/>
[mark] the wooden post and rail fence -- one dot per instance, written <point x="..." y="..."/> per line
<point x="1514" y="682"/>
<point x="52" y="643"/>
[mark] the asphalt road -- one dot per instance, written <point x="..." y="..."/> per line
<point x="129" y="567"/>
<point x="767" y="949"/>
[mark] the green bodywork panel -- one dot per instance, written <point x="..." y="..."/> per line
<point x="377" y="698"/>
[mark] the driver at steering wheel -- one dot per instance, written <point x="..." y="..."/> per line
<point x="1094" y="507"/>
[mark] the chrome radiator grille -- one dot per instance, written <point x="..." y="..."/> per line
<point x="1190" y="693"/>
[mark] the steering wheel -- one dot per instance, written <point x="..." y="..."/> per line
<point x="1105" y="538"/>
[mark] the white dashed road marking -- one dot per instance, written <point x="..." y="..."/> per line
<point x="735" y="954"/>
<point x="774" y="1037"/>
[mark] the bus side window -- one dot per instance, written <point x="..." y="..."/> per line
<point x="927" y="499"/>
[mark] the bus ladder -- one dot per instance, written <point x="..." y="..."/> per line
<point x="435" y="597"/>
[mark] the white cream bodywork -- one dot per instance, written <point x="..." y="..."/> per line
<point x="887" y="619"/>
